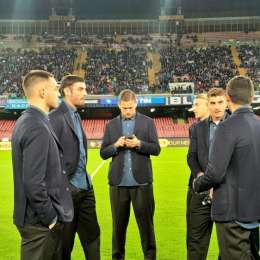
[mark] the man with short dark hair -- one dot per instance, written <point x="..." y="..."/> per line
<point x="66" y="123"/>
<point x="42" y="201"/>
<point x="233" y="171"/>
<point x="199" y="223"/>
<point x="130" y="139"/>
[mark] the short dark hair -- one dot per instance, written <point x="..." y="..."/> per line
<point x="126" y="95"/>
<point x="216" y="92"/>
<point x="241" y="90"/>
<point x="68" y="81"/>
<point x="34" y="76"/>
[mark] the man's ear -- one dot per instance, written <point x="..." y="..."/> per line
<point x="67" y="91"/>
<point x="42" y="92"/>
<point x="228" y="98"/>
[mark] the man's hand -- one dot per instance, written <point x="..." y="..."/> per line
<point x="120" y="142"/>
<point x="200" y="174"/>
<point x="132" y="143"/>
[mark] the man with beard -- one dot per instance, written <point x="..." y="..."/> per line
<point x="66" y="123"/>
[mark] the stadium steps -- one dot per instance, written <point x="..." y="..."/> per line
<point x="237" y="61"/>
<point x="154" y="58"/>
<point x="81" y="59"/>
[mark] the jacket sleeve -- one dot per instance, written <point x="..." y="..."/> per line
<point x="35" y="155"/>
<point x="192" y="156"/>
<point x="222" y="148"/>
<point x="107" y="149"/>
<point x="152" y="146"/>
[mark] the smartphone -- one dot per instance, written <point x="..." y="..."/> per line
<point x="129" y="137"/>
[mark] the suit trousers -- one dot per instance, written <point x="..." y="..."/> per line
<point x="142" y="200"/>
<point x="199" y="226"/>
<point x="235" y="242"/>
<point x="84" y="223"/>
<point x="40" y="243"/>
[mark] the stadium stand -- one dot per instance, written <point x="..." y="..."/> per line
<point x="250" y="59"/>
<point x="110" y="71"/>
<point x="6" y="128"/>
<point x="16" y="63"/>
<point x="206" y="67"/>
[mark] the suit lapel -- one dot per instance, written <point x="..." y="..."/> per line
<point x="206" y="133"/>
<point x="69" y="121"/>
<point x="138" y="123"/>
<point x="118" y="126"/>
<point x="67" y="117"/>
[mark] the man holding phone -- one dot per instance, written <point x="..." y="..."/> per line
<point x="130" y="139"/>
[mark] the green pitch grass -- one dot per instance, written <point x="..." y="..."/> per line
<point x="170" y="186"/>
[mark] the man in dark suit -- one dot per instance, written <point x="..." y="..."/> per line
<point x="199" y="226"/>
<point x="42" y="201"/>
<point x="66" y="123"/>
<point x="129" y="140"/>
<point x="233" y="171"/>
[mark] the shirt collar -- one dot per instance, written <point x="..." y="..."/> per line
<point x="223" y="118"/>
<point x="243" y="107"/>
<point x="71" y="109"/>
<point x="41" y="111"/>
<point x="128" y="119"/>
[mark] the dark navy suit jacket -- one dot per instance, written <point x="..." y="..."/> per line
<point x="234" y="169"/>
<point x="41" y="190"/>
<point x="145" y="131"/>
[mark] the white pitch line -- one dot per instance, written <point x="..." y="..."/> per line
<point x="97" y="169"/>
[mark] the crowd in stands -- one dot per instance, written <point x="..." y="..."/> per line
<point x="206" y="67"/>
<point x="16" y="63"/>
<point x="110" y="70"/>
<point x="250" y="59"/>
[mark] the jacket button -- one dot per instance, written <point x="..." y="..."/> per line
<point x="64" y="172"/>
<point x="67" y="189"/>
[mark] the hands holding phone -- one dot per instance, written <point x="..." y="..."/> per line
<point x="129" y="141"/>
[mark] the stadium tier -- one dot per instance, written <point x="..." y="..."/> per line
<point x="108" y="70"/>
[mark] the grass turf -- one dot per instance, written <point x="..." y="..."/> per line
<point x="170" y="186"/>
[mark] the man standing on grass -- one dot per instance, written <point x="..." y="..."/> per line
<point x="129" y="140"/>
<point x="211" y="111"/>
<point x="233" y="170"/>
<point x="42" y="201"/>
<point x="66" y="123"/>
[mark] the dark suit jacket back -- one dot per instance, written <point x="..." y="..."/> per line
<point x="40" y="189"/>
<point x="234" y="169"/>
<point x="142" y="168"/>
